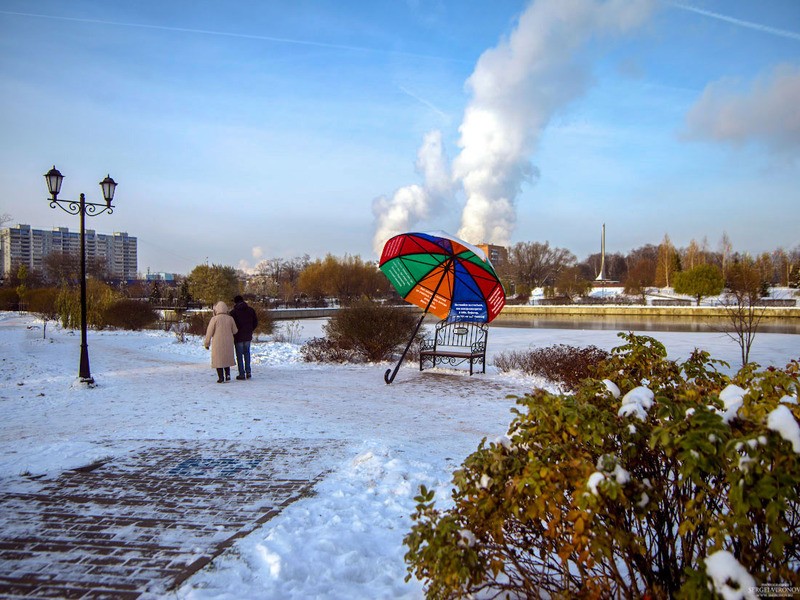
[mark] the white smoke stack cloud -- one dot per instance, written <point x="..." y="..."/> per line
<point x="517" y="87"/>
<point x="414" y="203"/>
<point x="432" y="164"/>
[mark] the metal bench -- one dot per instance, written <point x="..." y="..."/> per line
<point x="454" y="343"/>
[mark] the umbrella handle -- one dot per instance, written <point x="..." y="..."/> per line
<point x="389" y="375"/>
<point x="445" y="269"/>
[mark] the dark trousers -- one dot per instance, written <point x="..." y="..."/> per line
<point x="243" y="357"/>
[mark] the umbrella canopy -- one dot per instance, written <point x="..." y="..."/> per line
<point x="443" y="275"/>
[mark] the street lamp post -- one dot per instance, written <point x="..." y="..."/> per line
<point x="54" y="180"/>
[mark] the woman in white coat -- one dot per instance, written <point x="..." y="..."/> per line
<point x="219" y="336"/>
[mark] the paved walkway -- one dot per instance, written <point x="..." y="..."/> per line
<point x="141" y="524"/>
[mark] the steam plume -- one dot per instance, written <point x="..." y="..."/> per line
<point x="413" y="203"/>
<point x="516" y="88"/>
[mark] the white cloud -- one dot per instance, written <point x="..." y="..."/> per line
<point x="768" y="112"/>
<point x="257" y="252"/>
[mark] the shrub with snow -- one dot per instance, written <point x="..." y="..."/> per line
<point x="363" y="331"/>
<point x="627" y="488"/>
<point x="562" y="364"/>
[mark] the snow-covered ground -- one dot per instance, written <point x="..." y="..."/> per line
<point x="346" y="540"/>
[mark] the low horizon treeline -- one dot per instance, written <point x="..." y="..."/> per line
<point x="529" y="265"/>
<point x="538" y="265"/>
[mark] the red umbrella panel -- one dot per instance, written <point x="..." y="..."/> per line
<point x="443" y="275"/>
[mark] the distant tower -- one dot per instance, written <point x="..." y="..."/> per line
<point x="602" y="275"/>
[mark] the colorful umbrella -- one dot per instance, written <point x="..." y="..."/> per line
<point x="442" y="275"/>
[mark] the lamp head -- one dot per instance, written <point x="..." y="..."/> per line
<point x="54" y="179"/>
<point x="108" y="186"/>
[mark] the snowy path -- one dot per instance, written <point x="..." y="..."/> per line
<point x="346" y="540"/>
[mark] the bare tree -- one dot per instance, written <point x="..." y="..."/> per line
<point x="693" y="256"/>
<point x="742" y="305"/>
<point x="42" y="303"/>
<point x="571" y="283"/>
<point x="782" y="266"/>
<point x="793" y="275"/>
<point x="766" y="269"/>
<point x="279" y="277"/>
<point x="668" y="262"/>
<point x="271" y="268"/>
<point x="641" y="275"/>
<point x="616" y="266"/>
<point x="536" y="265"/>
<point x="65" y="267"/>
<point x="347" y="278"/>
<point x="725" y="250"/>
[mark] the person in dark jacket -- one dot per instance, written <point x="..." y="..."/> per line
<point x="246" y="323"/>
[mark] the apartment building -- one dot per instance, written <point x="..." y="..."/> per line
<point x="23" y="245"/>
<point x="497" y="255"/>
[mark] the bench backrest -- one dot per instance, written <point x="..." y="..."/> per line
<point x="460" y="334"/>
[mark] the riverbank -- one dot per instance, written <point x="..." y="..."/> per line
<point x="643" y="318"/>
<point x="592" y="310"/>
<point x="647" y="312"/>
<point x="513" y="312"/>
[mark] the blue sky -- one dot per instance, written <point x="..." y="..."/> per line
<point x="258" y="129"/>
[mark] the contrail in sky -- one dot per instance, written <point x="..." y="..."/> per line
<point x="247" y="36"/>
<point x="430" y="105"/>
<point x="749" y="24"/>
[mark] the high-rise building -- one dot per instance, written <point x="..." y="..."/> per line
<point x="497" y="255"/>
<point x="23" y="245"/>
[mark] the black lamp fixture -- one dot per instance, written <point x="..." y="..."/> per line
<point x="108" y="186"/>
<point x="54" y="179"/>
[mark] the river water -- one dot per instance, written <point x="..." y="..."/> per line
<point x="718" y="325"/>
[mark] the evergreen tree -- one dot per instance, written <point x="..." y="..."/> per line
<point x="155" y="292"/>
<point x="184" y="297"/>
<point x="700" y="282"/>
